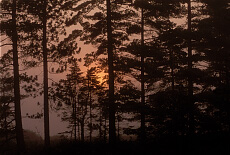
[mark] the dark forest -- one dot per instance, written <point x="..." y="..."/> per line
<point x="125" y="76"/>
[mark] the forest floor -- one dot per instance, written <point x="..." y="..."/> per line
<point x="196" y="145"/>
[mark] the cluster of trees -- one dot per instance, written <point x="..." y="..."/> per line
<point x="167" y="61"/>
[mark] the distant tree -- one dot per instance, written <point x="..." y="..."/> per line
<point x="67" y="92"/>
<point x="78" y="91"/>
<point x="93" y="85"/>
<point x="6" y="101"/>
<point x="128" y="102"/>
<point x="103" y="106"/>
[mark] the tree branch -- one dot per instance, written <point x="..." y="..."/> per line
<point x="6" y="45"/>
<point x="4" y="39"/>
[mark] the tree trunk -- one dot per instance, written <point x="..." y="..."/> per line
<point x="112" y="128"/>
<point x="174" y="114"/>
<point x="105" y="139"/>
<point x="82" y="131"/>
<point x="228" y="95"/>
<point x="83" y="122"/>
<point x="75" y="118"/>
<point x="172" y="71"/>
<point x="45" y="69"/>
<point x="90" y="111"/>
<point x="190" y="81"/>
<point x="78" y="123"/>
<point x="142" y="80"/>
<point x="100" y="125"/>
<point x="18" y="117"/>
<point x="5" y="124"/>
<point x="118" y="127"/>
<point x="4" y="106"/>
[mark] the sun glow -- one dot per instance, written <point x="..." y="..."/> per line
<point x="101" y="77"/>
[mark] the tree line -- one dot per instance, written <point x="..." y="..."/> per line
<point x="166" y="66"/>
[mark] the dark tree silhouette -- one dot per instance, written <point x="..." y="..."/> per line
<point x="143" y="134"/>
<point x="51" y="14"/>
<point x="190" y="65"/>
<point x="10" y="29"/>
<point x="67" y="91"/>
<point x="45" y="79"/>
<point x="6" y="100"/>
<point x="17" y="97"/>
<point x="112" y="128"/>
<point x="95" y="35"/>
<point x="213" y="37"/>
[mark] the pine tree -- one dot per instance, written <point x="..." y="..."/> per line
<point x="95" y="33"/>
<point x="6" y="101"/>
<point x="93" y="85"/>
<point x="112" y="128"/>
<point x="153" y="20"/>
<point x="213" y="35"/>
<point x="67" y="92"/>
<point x="51" y="16"/>
<point x="17" y="98"/>
<point x="45" y="79"/>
